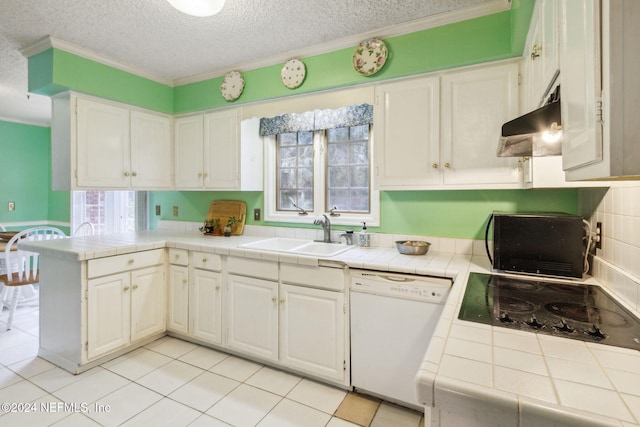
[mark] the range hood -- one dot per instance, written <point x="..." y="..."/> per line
<point x="535" y="134"/>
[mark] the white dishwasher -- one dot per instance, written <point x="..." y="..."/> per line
<point x="393" y="317"/>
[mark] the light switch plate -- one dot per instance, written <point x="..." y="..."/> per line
<point x="157" y="209"/>
<point x="256" y="214"/>
<point x="175" y="210"/>
<point x="11" y="206"/>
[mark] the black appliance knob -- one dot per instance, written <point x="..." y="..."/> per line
<point x="533" y="322"/>
<point x="564" y="327"/>
<point x="504" y="318"/>
<point x="595" y="333"/>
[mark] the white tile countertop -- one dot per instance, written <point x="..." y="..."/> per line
<point x="471" y="372"/>
<point x="498" y="376"/>
<point x="385" y="259"/>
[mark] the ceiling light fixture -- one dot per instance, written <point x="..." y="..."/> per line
<point x="201" y="8"/>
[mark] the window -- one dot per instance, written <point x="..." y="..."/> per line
<point x="317" y="172"/>
<point x="295" y="171"/>
<point x="348" y="169"/>
<point x="110" y="211"/>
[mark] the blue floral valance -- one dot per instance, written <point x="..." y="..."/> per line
<point x="354" y="115"/>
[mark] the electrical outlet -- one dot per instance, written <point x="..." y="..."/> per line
<point x="598" y="235"/>
<point x="12" y="206"/>
<point x="175" y="210"/>
<point x="157" y="210"/>
<point x="256" y="214"/>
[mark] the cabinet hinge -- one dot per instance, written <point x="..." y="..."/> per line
<point x="519" y="79"/>
<point x="599" y="110"/>
<point x="344" y="365"/>
<point x="86" y="295"/>
<point x="86" y="345"/>
<point x="344" y="308"/>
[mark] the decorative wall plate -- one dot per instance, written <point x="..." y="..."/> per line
<point x="370" y="56"/>
<point x="293" y="73"/>
<point x="232" y="85"/>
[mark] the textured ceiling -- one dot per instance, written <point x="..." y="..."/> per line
<point x="152" y="36"/>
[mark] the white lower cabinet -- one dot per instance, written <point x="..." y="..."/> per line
<point x="312" y="330"/>
<point x="178" y="301"/>
<point x="123" y="308"/>
<point x="205" y="314"/>
<point x="253" y="316"/>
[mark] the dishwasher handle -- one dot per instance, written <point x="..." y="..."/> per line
<point x="397" y="279"/>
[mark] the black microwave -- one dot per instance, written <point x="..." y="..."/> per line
<point x="550" y="244"/>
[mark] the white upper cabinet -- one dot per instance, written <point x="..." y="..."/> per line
<point x="105" y="145"/>
<point x="211" y="154"/>
<point x="475" y="104"/>
<point x="441" y="131"/>
<point x="600" y="60"/>
<point x="151" y="149"/>
<point x="102" y="145"/>
<point x="407" y="129"/>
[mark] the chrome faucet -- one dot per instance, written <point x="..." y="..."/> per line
<point x="326" y="227"/>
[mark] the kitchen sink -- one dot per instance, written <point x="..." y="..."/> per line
<point x="297" y="247"/>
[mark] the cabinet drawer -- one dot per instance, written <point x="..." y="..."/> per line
<point x="317" y="277"/>
<point x="178" y="256"/>
<point x="253" y="268"/>
<point x="116" y="264"/>
<point x="206" y="261"/>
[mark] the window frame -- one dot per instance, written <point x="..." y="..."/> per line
<point x="320" y="187"/>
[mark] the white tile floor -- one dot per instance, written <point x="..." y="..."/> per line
<point x="169" y="382"/>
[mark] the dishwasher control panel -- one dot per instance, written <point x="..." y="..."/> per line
<point x="423" y="288"/>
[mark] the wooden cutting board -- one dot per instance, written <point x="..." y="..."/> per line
<point x="225" y="209"/>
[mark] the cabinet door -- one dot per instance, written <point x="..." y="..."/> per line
<point x="549" y="12"/>
<point x="188" y="162"/>
<point x="151" y="162"/>
<point x="108" y="313"/>
<point x="312" y="330"/>
<point x="178" y="304"/>
<point x="102" y="145"/>
<point x="206" y="306"/>
<point x="148" y="302"/>
<point x="222" y="150"/>
<point x="407" y="132"/>
<point x="475" y="104"/>
<point x="580" y="63"/>
<point x="253" y="316"/>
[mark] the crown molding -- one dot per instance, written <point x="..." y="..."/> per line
<point x="487" y="8"/>
<point x="54" y="42"/>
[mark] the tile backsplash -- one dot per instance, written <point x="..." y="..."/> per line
<point x="617" y="264"/>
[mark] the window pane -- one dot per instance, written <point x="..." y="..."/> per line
<point x="338" y="154"/>
<point x="348" y="169"/>
<point x="360" y="176"/>
<point x="288" y="138"/>
<point x="110" y="211"/>
<point x="359" y="133"/>
<point x="338" y="134"/>
<point x="295" y="171"/>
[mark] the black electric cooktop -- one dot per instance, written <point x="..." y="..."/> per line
<point x="570" y="310"/>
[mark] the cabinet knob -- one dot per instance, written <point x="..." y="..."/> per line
<point x="536" y="52"/>
<point x="200" y="175"/>
<point x="184" y="281"/>
<point x="135" y="287"/>
<point x="205" y="175"/>
<point x="126" y="174"/>
<point x="134" y="173"/>
<point x="282" y="301"/>
<point x="177" y="257"/>
<point x="435" y="166"/>
<point x="126" y="288"/>
<point x="447" y="165"/>
<point x="217" y="288"/>
<point x="204" y="260"/>
<point x="131" y="261"/>
<point x="274" y="299"/>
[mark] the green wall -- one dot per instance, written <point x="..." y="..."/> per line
<point x="460" y="214"/>
<point x="25" y="175"/>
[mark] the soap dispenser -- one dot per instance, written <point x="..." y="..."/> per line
<point x="364" y="238"/>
